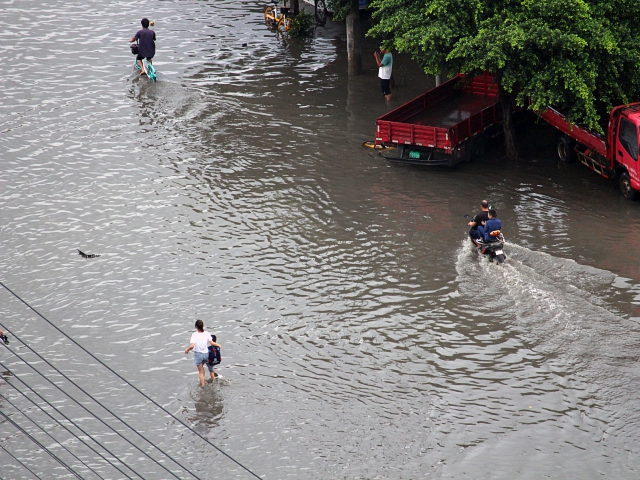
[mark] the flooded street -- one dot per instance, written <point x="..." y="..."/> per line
<point x="361" y="336"/>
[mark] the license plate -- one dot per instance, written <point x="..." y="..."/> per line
<point x="499" y="252"/>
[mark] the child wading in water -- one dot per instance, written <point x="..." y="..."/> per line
<point x="214" y="357"/>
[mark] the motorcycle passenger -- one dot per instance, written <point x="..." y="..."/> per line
<point x="483" y="216"/>
<point x="493" y="223"/>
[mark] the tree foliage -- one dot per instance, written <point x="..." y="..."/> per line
<point x="301" y="24"/>
<point x="582" y="56"/>
<point x="340" y="8"/>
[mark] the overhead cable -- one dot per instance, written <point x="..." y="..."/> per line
<point x="107" y="409"/>
<point x="68" y="420"/>
<point x="20" y="462"/>
<point x="131" y="385"/>
<point x="50" y="436"/>
<point x="45" y="449"/>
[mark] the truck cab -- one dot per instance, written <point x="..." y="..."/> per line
<point x="623" y="147"/>
<point x="613" y="157"/>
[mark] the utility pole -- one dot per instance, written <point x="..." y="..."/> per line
<point x="354" y="51"/>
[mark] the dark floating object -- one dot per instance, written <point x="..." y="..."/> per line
<point x="88" y="255"/>
<point x="244" y="44"/>
<point x="4" y="338"/>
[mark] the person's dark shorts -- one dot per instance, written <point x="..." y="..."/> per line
<point x="386" y="87"/>
<point x="140" y="57"/>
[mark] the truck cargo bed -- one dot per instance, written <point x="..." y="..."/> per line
<point x="453" y="110"/>
<point x="577" y="132"/>
<point x="444" y="117"/>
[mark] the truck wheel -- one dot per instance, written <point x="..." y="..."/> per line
<point x="566" y="153"/>
<point x="321" y="12"/>
<point x="625" y="187"/>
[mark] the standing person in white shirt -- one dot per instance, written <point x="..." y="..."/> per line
<point x="384" y="59"/>
<point x="200" y="341"/>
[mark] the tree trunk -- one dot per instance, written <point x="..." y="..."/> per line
<point x="295" y="7"/>
<point x="507" y="101"/>
<point x="354" y="52"/>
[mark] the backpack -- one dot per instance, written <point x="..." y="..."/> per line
<point x="214" y="355"/>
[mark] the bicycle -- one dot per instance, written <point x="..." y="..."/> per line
<point x="148" y="69"/>
<point x="278" y="19"/>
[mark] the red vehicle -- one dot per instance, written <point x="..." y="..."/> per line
<point x="444" y="126"/>
<point x="613" y="157"/>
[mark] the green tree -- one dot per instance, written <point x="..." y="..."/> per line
<point x="581" y="56"/>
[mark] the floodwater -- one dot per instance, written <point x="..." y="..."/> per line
<point x="361" y="337"/>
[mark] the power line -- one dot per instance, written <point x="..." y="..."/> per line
<point x="18" y="460"/>
<point x="30" y="437"/>
<point x="107" y="409"/>
<point x="50" y="436"/>
<point x="69" y="420"/>
<point x="131" y="385"/>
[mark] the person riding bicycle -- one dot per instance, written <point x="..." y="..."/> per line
<point x="488" y="226"/>
<point x="146" y="44"/>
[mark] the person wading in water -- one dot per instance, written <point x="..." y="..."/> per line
<point x="200" y="341"/>
<point x="384" y="59"/>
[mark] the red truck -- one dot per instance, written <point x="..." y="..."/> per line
<point x="613" y="157"/>
<point x="444" y="126"/>
<point x="450" y="124"/>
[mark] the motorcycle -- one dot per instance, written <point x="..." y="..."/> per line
<point x="494" y="249"/>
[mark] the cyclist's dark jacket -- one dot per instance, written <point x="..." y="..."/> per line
<point x="147" y="42"/>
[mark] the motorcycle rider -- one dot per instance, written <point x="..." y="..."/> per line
<point x="488" y="226"/>
<point x="483" y="216"/>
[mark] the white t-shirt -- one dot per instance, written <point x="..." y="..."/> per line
<point x="201" y="340"/>
<point x="384" y="72"/>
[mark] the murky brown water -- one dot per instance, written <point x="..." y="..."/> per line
<point x="361" y="336"/>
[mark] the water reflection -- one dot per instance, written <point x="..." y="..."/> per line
<point x="540" y="214"/>
<point x="413" y="214"/>
<point x="208" y="403"/>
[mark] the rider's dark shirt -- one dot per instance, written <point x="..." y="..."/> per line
<point x="481" y="217"/>
<point x="146" y="41"/>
